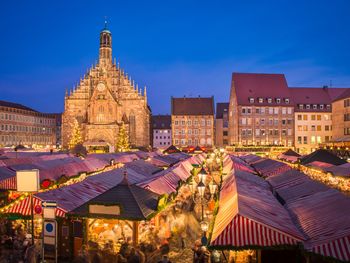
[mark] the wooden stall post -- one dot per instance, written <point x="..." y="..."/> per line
<point x="135" y="233"/>
<point x="258" y="255"/>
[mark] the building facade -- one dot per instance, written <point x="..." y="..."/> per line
<point x="221" y="124"/>
<point x="192" y="121"/>
<point x="341" y="119"/>
<point x="161" y="130"/>
<point x="20" y="125"/>
<point x="104" y="99"/>
<point x="313" y="117"/>
<point x="261" y="110"/>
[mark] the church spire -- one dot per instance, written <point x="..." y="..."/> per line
<point x="105" y="46"/>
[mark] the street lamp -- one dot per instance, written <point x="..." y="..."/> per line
<point x="199" y="196"/>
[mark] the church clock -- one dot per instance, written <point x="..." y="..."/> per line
<point x="101" y="86"/>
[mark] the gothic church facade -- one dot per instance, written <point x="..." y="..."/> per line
<point x="105" y="98"/>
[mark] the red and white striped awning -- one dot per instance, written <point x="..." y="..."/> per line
<point x="23" y="207"/>
<point x="242" y="232"/>
<point x="339" y="248"/>
<point x="8" y="184"/>
<point x="250" y="216"/>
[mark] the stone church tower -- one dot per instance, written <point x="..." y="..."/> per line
<point x="104" y="98"/>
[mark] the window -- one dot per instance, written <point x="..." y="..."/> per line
<point x="208" y="132"/>
<point x="290" y="110"/>
<point x="284" y="132"/>
<point x="176" y="122"/>
<point x="208" y="122"/>
<point x="284" y="121"/>
<point x="301" y="106"/>
<point x="313" y="139"/>
<point x="307" y="106"/>
<point x="321" y="107"/>
<point x="270" y="110"/>
<point x="289" y="132"/>
<point x="262" y="132"/>
<point x="189" y="123"/>
<point x="305" y="139"/>
<point x="326" y="128"/>
<point x="326" y="138"/>
<point x="189" y="131"/>
<point x="243" y="121"/>
<point x="183" y="123"/>
<point x="278" y="100"/>
<point x="300" y="128"/>
<point x="319" y="140"/>
<point x="299" y="117"/>
<point x="299" y="139"/>
<point x="286" y="100"/>
<point x="318" y="127"/>
<point x="276" y="110"/>
<point x="251" y="100"/>
<point x="262" y="121"/>
<point x="257" y="110"/>
<point x="225" y="133"/>
<point x="269" y="100"/>
<point x="313" y="128"/>
<point x="305" y="117"/>
<point x="326" y="117"/>
<point x="203" y="122"/>
<point x="270" y="121"/>
<point x="284" y="110"/>
<point x="314" y="106"/>
<point x="257" y="132"/>
<point x="195" y="123"/>
<point x="275" y="122"/>
<point x="305" y="128"/>
<point x="328" y="107"/>
<point x="318" y="117"/>
<point x="260" y="100"/>
<point x="313" y="117"/>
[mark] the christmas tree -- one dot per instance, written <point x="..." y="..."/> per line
<point x="75" y="137"/>
<point x="123" y="139"/>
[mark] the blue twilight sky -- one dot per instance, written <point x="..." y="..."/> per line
<point x="176" y="48"/>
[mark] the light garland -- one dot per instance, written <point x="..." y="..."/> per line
<point x="336" y="182"/>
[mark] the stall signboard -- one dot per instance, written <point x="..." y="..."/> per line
<point x="27" y="180"/>
<point x="50" y="239"/>
<point x="49" y="209"/>
<point x="104" y="209"/>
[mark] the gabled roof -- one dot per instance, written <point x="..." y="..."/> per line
<point x="322" y="156"/>
<point x="192" y="106"/>
<point x="161" y="122"/>
<point x="171" y="149"/>
<point x="221" y="107"/>
<point x="258" y="85"/>
<point x="290" y="152"/>
<point x="15" y="105"/>
<point x="318" y="96"/>
<point x="135" y="202"/>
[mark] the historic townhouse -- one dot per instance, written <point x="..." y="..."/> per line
<point x="261" y="110"/>
<point x="341" y="119"/>
<point x="161" y="130"/>
<point x="313" y="117"/>
<point x="221" y="124"/>
<point x="22" y="125"/>
<point x="192" y="121"/>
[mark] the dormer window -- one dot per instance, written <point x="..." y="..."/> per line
<point x="269" y="100"/>
<point x="321" y="107"/>
<point x="308" y="106"/>
<point x="286" y="100"/>
<point x="261" y="100"/>
<point x="251" y="100"/>
<point x="314" y="106"/>
<point x="328" y="106"/>
<point x="278" y="100"/>
<point x="301" y="106"/>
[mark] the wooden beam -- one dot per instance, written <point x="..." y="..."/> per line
<point x="135" y="233"/>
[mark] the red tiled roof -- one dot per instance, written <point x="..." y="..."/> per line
<point x="15" y="105"/>
<point x="345" y="94"/>
<point x="221" y="107"/>
<point x="310" y="95"/>
<point x="258" y="85"/>
<point x="161" y="122"/>
<point x="192" y="106"/>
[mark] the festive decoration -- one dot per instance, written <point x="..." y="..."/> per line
<point x="75" y="137"/>
<point x="123" y="139"/>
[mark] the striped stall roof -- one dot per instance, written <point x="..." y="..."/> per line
<point x="249" y="216"/>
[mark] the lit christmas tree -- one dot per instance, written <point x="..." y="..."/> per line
<point x="76" y="137"/>
<point x="122" y="140"/>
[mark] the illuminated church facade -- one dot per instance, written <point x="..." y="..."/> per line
<point x="104" y="99"/>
